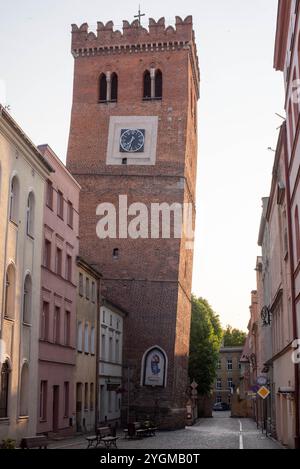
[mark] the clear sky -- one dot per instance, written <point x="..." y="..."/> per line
<point x="240" y="94"/>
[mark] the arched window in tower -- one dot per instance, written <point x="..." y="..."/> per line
<point x="14" y="200"/>
<point x="147" y="85"/>
<point x="9" y="306"/>
<point x="27" y="296"/>
<point x="114" y="87"/>
<point x="4" y="389"/>
<point x="102" y="88"/>
<point x="158" y="84"/>
<point x="24" y="391"/>
<point x="30" y="214"/>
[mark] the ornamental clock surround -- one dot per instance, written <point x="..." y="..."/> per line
<point x="133" y="136"/>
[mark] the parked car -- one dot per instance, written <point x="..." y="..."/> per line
<point x="220" y="407"/>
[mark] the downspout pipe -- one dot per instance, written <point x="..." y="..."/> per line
<point x="293" y="292"/>
<point x="97" y="397"/>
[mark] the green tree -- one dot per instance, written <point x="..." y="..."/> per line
<point x="234" y="337"/>
<point x="205" y="342"/>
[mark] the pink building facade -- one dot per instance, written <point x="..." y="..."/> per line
<point x="287" y="60"/>
<point x="57" y="343"/>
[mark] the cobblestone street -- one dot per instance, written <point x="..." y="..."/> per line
<point x="220" y="432"/>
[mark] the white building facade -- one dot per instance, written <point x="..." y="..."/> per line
<point x="110" y="362"/>
<point x="23" y="172"/>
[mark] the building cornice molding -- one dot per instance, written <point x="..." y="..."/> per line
<point x="23" y="145"/>
<point x="282" y="30"/>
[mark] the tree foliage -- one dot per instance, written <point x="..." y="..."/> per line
<point x="205" y="342"/>
<point x="234" y="337"/>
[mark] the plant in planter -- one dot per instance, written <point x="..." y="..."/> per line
<point x="8" y="444"/>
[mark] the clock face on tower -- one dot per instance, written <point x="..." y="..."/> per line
<point x="132" y="141"/>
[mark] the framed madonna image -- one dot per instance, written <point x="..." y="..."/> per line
<point x="154" y="368"/>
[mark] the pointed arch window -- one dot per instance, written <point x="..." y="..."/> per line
<point x="9" y="306"/>
<point x="158" y="84"/>
<point x="24" y="391"/>
<point x="27" y="300"/>
<point x="102" y="88"/>
<point x="30" y="214"/>
<point x="108" y="87"/>
<point x="14" y="200"/>
<point x="114" y="87"/>
<point x="147" y="85"/>
<point x="4" y="390"/>
<point x="153" y="84"/>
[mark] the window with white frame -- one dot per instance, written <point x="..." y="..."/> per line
<point x="93" y="292"/>
<point x="30" y="214"/>
<point x="117" y="357"/>
<point x="86" y="339"/>
<point x="27" y="296"/>
<point x="79" y="337"/>
<point x="219" y="383"/>
<point x="229" y="365"/>
<point x="14" y="200"/>
<point x="103" y="345"/>
<point x="110" y="350"/>
<point x="93" y="341"/>
<point x="80" y="284"/>
<point x="87" y="288"/>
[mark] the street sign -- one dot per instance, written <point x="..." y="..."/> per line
<point x="263" y="392"/>
<point x="262" y="380"/>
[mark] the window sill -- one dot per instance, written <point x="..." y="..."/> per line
<point x="70" y="226"/>
<point x="4" y="420"/>
<point x="7" y="318"/>
<point x="30" y="236"/>
<point x="60" y="216"/>
<point x="26" y="324"/>
<point x="50" y="207"/>
<point x="43" y="421"/>
<point x="14" y="223"/>
<point x="21" y="418"/>
<point x="112" y="101"/>
<point x="152" y="99"/>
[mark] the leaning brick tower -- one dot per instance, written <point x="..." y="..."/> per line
<point x="134" y="133"/>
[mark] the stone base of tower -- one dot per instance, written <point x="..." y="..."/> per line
<point x="165" y="418"/>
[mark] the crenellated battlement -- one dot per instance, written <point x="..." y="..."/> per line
<point x="132" y="34"/>
<point x="135" y="38"/>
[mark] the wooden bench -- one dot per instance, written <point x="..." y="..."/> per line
<point x="103" y="435"/>
<point x="31" y="442"/>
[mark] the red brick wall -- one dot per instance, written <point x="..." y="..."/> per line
<point x="152" y="278"/>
